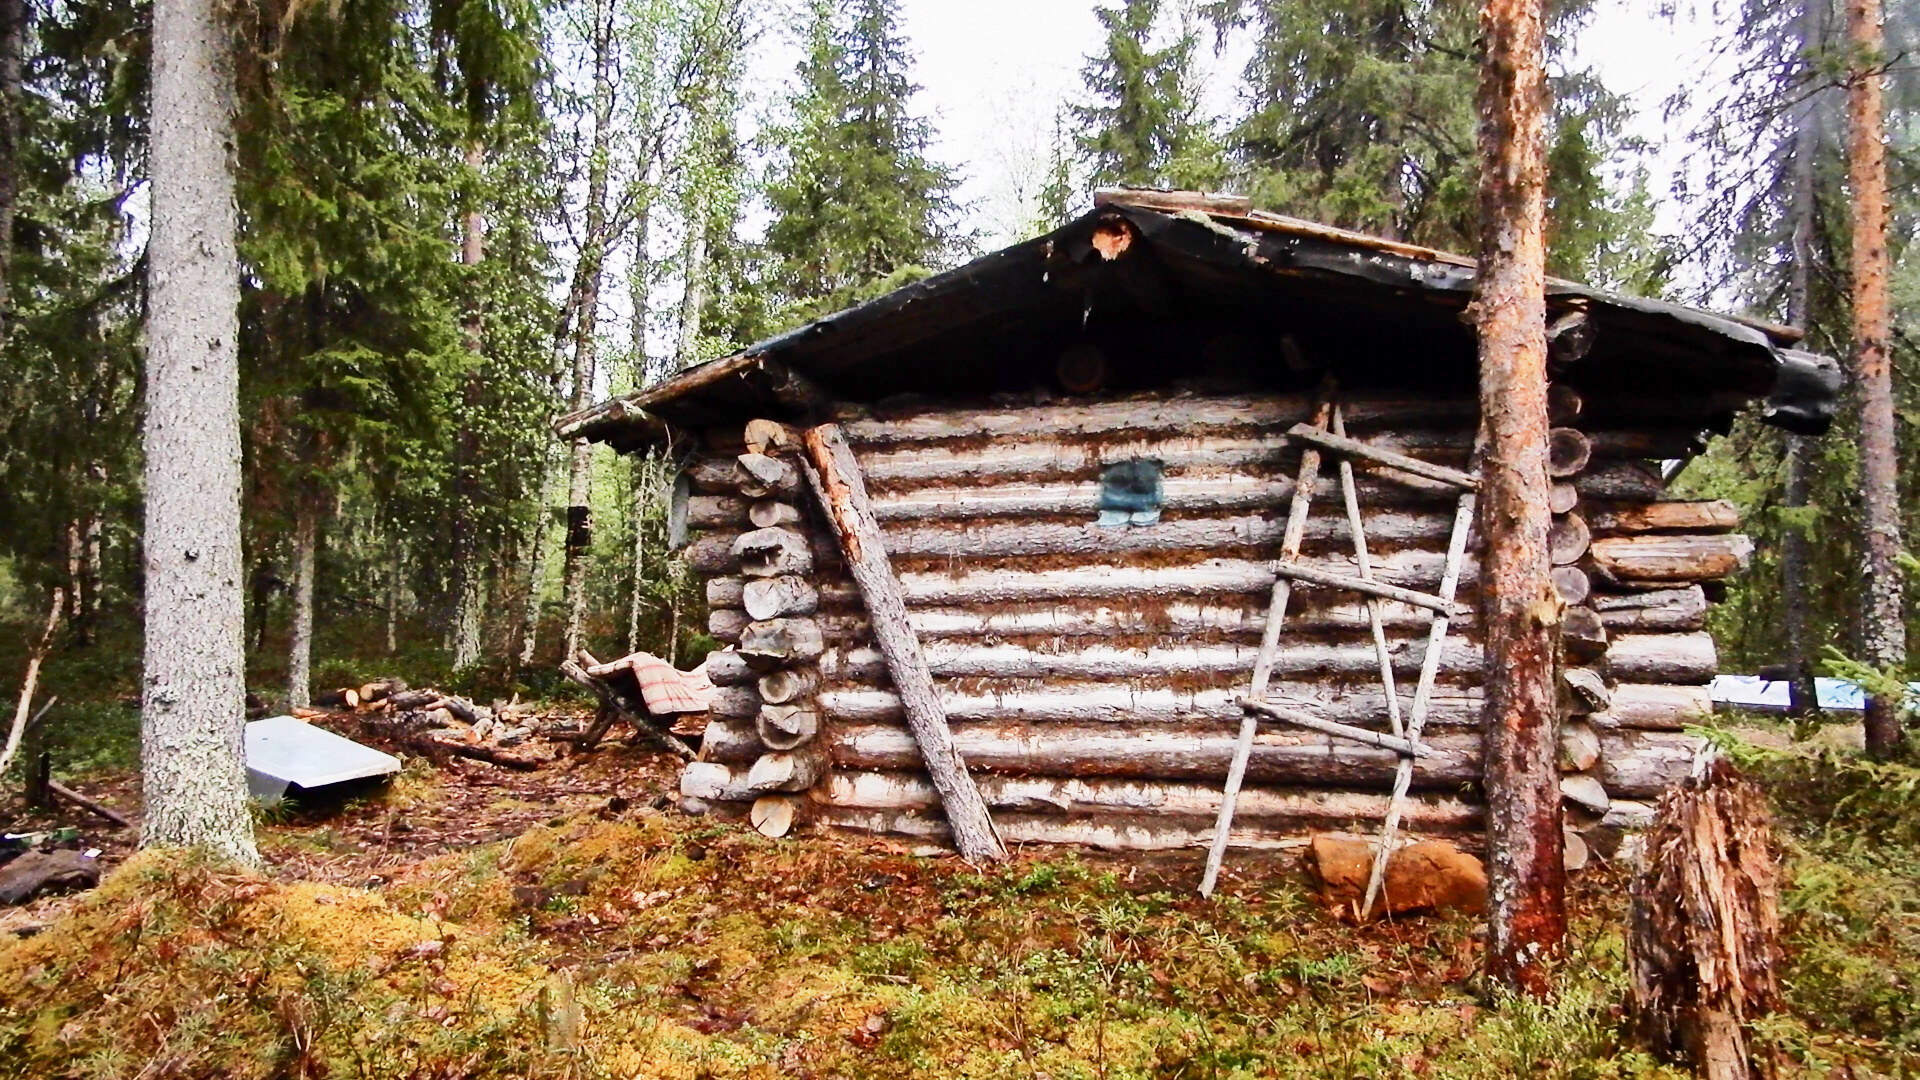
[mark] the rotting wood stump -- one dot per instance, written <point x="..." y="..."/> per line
<point x="1703" y="947"/>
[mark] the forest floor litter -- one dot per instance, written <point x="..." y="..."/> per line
<point x="466" y="919"/>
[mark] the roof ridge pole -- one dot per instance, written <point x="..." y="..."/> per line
<point x="1520" y="611"/>
<point x="836" y="479"/>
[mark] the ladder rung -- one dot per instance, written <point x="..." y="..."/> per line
<point x="1340" y="444"/>
<point x="1300" y="572"/>
<point x="1338" y="730"/>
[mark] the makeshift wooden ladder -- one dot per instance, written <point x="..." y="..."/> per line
<point x="1327" y="434"/>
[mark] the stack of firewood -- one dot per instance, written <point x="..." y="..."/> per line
<point x="435" y="723"/>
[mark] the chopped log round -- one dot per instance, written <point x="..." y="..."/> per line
<point x="788" y="684"/>
<point x="1572" y="584"/>
<point x="782" y="641"/>
<point x="1564" y="404"/>
<point x="714" y="782"/>
<point x="771" y="513"/>
<point x="772" y="815"/>
<point x="1587" y="689"/>
<point x="762" y="476"/>
<point x="727" y="624"/>
<point x="786" y="727"/>
<point x="1568" y="452"/>
<point x="1081" y="369"/>
<point x="1579" y="747"/>
<point x="1581" y="635"/>
<point x="1562" y="497"/>
<point x="1585" y="791"/>
<point x="1633" y="559"/>
<point x="1568" y="539"/>
<point x="772" y="552"/>
<point x="771" y="438"/>
<point x="787" y="770"/>
<point x="773" y="597"/>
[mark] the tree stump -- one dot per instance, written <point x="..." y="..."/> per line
<point x="1704" y="944"/>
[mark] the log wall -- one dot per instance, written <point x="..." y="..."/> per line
<point x="1090" y="672"/>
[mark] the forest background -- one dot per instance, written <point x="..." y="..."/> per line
<point x="460" y="218"/>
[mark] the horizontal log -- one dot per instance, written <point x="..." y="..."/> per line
<point x="1347" y="732"/>
<point x="1670" y="558"/>
<point x="714" y="782"/>
<point x="867" y="790"/>
<point x="1205" y="493"/>
<point x="1663" y="658"/>
<point x="787" y="770"/>
<point x="1116" y="833"/>
<point x="774" y="597"/>
<point x="726" y="667"/>
<point x="772" y="552"/>
<point x="1712" y="516"/>
<point x="787" y="684"/>
<point x="1631" y="481"/>
<point x="770" y="513"/>
<point x="1154" y="415"/>
<point x="782" y="641"/>
<point x="1295" y="571"/>
<point x="764" y="476"/>
<point x="1650" y="707"/>
<point x="727" y="624"/>
<point x="1092" y="618"/>
<point x="1642" y="764"/>
<point x="967" y="659"/>
<point x="735" y="702"/>
<point x="716" y="511"/>
<point x="1659" y="609"/>
<point x="1409" y="568"/>
<point x="786" y="727"/>
<point x="732" y="741"/>
<point x="712" y="554"/>
<point x="725" y="591"/>
<point x="1380" y="455"/>
<point x="1108" y="703"/>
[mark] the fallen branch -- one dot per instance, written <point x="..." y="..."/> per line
<point x="34" y="658"/>
<point x="63" y="791"/>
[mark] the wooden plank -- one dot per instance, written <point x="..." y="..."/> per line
<point x="1391" y="459"/>
<point x="835" y="477"/>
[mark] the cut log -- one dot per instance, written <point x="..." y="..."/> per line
<point x="1568" y="452"/>
<point x="1703" y="951"/>
<point x="727" y="667"/>
<point x="771" y="438"/>
<point x="1567" y="539"/>
<point x="726" y="592"/>
<point x="1587" y="690"/>
<point x="772" y="552"/>
<point x="714" y="476"/>
<point x="1100" y="579"/>
<point x="1228" y="491"/>
<point x="712" y="553"/>
<point x="1307" y="807"/>
<point x="381" y="690"/>
<point x="1081" y="368"/>
<point x="836" y="481"/>
<point x="727" y="624"/>
<point x="1123" y="704"/>
<point x="773" y="597"/>
<point x="787" y="727"/>
<point x="406" y="700"/>
<point x="770" y="514"/>
<point x="735" y="702"/>
<point x="788" y="684"/>
<point x="772" y="815"/>
<point x="787" y="770"/>
<point x="715" y="511"/>
<point x="1655" y="708"/>
<point x="732" y="741"/>
<point x="62" y="791"/>
<point x="1624" y="480"/>
<point x="1714" y="516"/>
<point x="344" y="698"/>
<point x="1579" y="747"/>
<point x="1365" y="451"/>
<point x="1572" y="584"/>
<point x="1659" y="609"/>
<point x="1562" y="497"/>
<point x="1670" y="558"/>
<point x="782" y="641"/>
<point x="1245" y="617"/>
<point x="966" y="659"/>
<point x="1643" y="764"/>
<point x="1585" y="791"/>
<point x="1569" y="339"/>
<point x="1582" y="637"/>
<point x="762" y="476"/>
<point x="1663" y="658"/>
<point x="1564" y="404"/>
<point x="713" y="782"/>
<point x="1574" y="848"/>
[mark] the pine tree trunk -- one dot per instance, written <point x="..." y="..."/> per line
<point x="1883" y="637"/>
<point x="1520" y="610"/>
<point x="13" y="30"/>
<point x="469" y="584"/>
<point x="306" y="543"/>
<point x="586" y="311"/>
<point x="193" y="687"/>
<point x="1794" y="600"/>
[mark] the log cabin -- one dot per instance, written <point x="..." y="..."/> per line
<point x="1101" y="502"/>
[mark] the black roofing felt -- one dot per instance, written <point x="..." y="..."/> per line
<point x="1371" y="309"/>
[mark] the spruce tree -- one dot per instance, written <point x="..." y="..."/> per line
<point x="858" y="204"/>
<point x="1142" y="127"/>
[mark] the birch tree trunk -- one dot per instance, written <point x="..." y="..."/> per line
<point x="393" y="595"/>
<point x="1883" y="637"/>
<point x="1519" y="608"/>
<point x="469" y="576"/>
<point x="593" y="252"/>
<point x="13" y="31"/>
<point x="306" y="542"/>
<point x="639" y="466"/>
<point x="695" y="296"/>
<point x="193" y="686"/>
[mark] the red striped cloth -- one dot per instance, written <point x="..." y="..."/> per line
<point x="666" y="689"/>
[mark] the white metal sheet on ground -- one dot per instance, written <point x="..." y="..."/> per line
<point x="1754" y="692"/>
<point x="283" y="751"/>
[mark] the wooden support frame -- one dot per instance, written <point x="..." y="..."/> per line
<point x="835" y="477"/>
<point x="1308" y="433"/>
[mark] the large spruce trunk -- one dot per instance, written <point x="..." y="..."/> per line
<point x="193" y="686"/>
<point x="1883" y="635"/>
<point x="1519" y="608"/>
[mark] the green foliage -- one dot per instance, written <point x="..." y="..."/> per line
<point x="1143" y="127"/>
<point x="854" y="195"/>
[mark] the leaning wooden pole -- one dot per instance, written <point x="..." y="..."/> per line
<point x="836" y="480"/>
<point x="1883" y="635"/>
<point x="1520" y="609"/>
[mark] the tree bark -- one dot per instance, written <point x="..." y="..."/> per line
<point x="13" y="30"/>
<point x="306" y="543"/>
<point x="1520" y="610"/>
<point x="695" y="295"/>
<point x="586" y="284"/>
<point x="641" y="468"/>
<point x="1794" y="599"/>
<point x="469" y="575"/>
<point x="843" y="497"/>
<point x="1883" y="638"/>
<point x="193" y="686"/>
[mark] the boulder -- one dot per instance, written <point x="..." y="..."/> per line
<point x="39" y="872"/>
<point x="1432" y="875"/>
